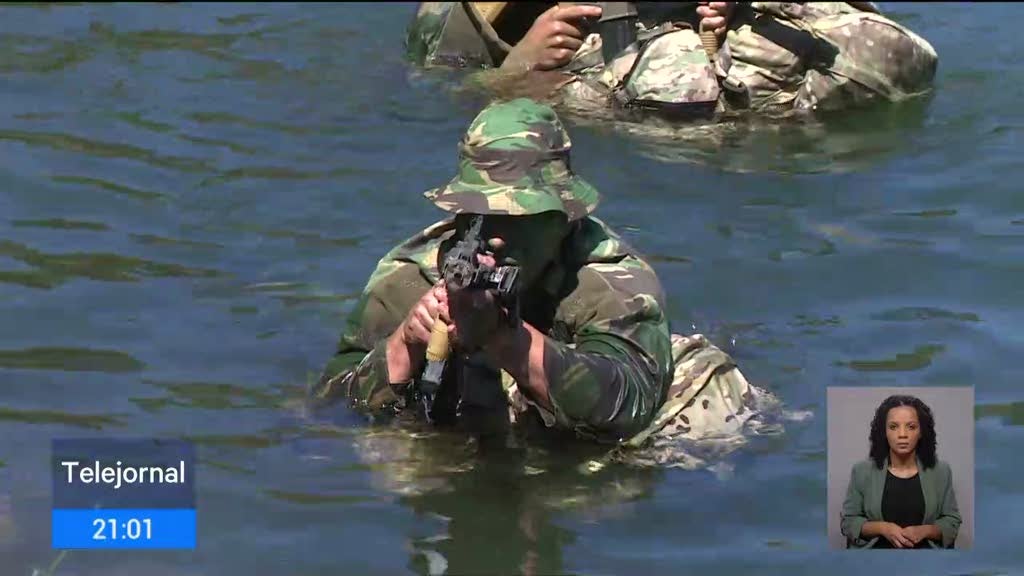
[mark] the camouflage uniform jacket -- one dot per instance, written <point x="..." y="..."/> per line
<point x="608" y="355"/>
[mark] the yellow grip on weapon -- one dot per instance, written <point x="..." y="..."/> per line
<point x="709" y="40"/>
<point x="490" y="10"/>
<point x="437" y="348"/>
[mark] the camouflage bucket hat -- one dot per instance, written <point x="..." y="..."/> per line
<point x="514" y="160"/>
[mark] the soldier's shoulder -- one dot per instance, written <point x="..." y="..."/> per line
<point x="610" y="277"/>
<point x="417" y="254"/>
<point x="605" y="254"/>
<point x="593" y="241"/>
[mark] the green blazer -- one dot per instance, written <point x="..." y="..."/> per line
<point x="864" y="501"/>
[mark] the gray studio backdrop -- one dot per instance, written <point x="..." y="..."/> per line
<point x="850" y="410"/>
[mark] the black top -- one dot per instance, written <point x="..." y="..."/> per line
<point x="903" y="505"/>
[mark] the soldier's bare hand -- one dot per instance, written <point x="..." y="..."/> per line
<point x="552" y="39"/>
<point x="419" y="322"/>
<point x="408" y="343"/>
<point x="715" y="16"/>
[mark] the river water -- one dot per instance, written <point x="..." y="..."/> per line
<point x="192" y="196"/>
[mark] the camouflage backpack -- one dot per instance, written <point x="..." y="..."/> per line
<point x="666" y="70"/>
<point x="824" y="56"/>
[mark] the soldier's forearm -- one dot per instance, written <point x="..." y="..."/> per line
<point x="361" y="377"/>
<point x="402" y="361"/>
<point x="600" y="387"/>
<point x="521" y="354"/>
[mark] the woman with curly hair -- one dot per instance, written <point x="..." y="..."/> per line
<point x="902" y="495"/>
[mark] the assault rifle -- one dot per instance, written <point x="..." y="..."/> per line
<point x="463" y="271"/>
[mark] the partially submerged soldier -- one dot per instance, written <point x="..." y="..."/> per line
<point x="585" y="348"/>
<point x="774" y="57"/>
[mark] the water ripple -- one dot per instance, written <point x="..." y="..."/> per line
<point x="315" y="499"/>
<point x="136" y="119"/>
<point x="913" y="313"/>
<point x="34" y="116"/>
<point x="920" y="357"/>
<point x="61" y="224"/>
<point x="39" y="55"/>
<point x="292" y="300"/>
<point x="227" y="118"/>
<point x="210" y="45"/>
<point x="669" y="258"/>
<point x="264" y="173"/>
<point x="109" y="186"/>
<point x="219" y="143"/>
<point x="935" y="213"/>
<point x="91" y="421"/>
<point x="70" y="360"/>
<point x="210" y="396"/>
<point x="239" y="19"/>
<point x="92" y="147"/>
<point x="155" y="240"/>
<point x="55" y="269"/>
<point x="1011" y="413"/>
<point x="300" y="237"/>
<point x="234" y="440"/>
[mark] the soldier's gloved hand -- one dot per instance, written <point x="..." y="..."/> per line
<point x="715" y="16"/>
<point x="552" y="39"/>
